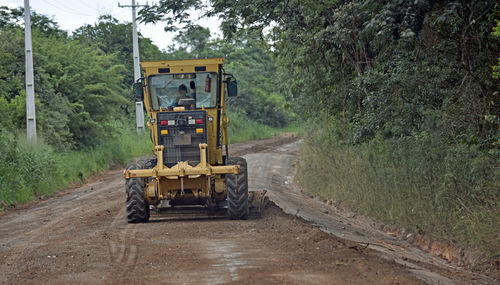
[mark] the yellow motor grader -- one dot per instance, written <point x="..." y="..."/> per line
<point x="185" y="102"/>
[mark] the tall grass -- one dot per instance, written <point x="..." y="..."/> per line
<point x="29" y="171"/>
<point x="241" y="128"/>
<point x="448" y="193"/>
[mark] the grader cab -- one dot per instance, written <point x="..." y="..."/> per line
<point x="185" y="102"/>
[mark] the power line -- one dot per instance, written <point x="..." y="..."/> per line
<point x="69" y="8"/>
<point x="86" y="5"/>
<point x="67" y="11"/>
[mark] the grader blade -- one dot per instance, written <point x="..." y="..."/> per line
<point x="188" y="212"/>
<point x="257" y="202"/>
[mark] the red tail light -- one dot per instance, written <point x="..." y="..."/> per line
<point x="164" y="123"/>
<point x="199" y="121"/>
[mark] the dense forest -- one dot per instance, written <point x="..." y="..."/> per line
<point x="400" y="99"/>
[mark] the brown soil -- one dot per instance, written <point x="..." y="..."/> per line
<point x="97" y="246"/>
<point x="81" y="236"/>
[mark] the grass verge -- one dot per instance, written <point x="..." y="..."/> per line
<point x="30" y="171"/>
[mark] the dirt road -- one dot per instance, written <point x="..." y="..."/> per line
<point x="81" y="236"/>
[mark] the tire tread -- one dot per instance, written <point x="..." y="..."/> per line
<point x="237" y="190"/>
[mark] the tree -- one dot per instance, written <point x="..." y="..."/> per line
<point x="112" y="37"/>
<point x="193" y="37"/>
<point x="79" y="89"/>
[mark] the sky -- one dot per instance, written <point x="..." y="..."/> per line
<point x="71" y="14"/>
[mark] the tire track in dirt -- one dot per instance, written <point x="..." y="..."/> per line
<point x="87" y="230"/>
<point x="39" y="231"/>
<point x="122" y="254"/>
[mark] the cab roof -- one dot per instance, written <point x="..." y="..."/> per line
<point x="182" y="62"/>
<point x="182" y="66"/>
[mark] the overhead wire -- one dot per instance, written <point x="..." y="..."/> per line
<point x="67" y="11"/>
<point x="86" y="5"/>
<point x="62" y="3"/>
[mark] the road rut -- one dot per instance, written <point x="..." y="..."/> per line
<point x="81" y="236"/>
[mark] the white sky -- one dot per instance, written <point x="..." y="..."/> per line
<point x="72" y="14"/>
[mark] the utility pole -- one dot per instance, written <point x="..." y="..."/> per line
<point x="139" y="113"/>
<point x="30" y="84"/>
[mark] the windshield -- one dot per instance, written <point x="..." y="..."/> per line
<point x="167" y="89"/>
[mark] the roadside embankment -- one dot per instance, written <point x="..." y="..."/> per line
<point x="445" y="197"/>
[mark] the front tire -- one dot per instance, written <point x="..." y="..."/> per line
<point x="237" y="190"/>
<point x="137" y="208"/>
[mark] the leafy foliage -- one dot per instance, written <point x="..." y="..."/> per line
<point x="173" y="12"/>
<point x="496" y="33"/>
<point x="82" y="82"/>
<point x="78" y="89"/>
<point x="114" y="38"/>
<point x="248" y="58"/>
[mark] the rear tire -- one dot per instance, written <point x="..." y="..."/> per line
<point x="237" y="190"/>
<point x="137" y="208"/>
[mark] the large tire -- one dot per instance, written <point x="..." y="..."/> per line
<point x="237" y="190"/>
<point x="137" y="207"/>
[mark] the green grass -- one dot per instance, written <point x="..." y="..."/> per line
<point x="241" y="128"/>
<point x="30" y="171"/>
<point x="449" y="194"/>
